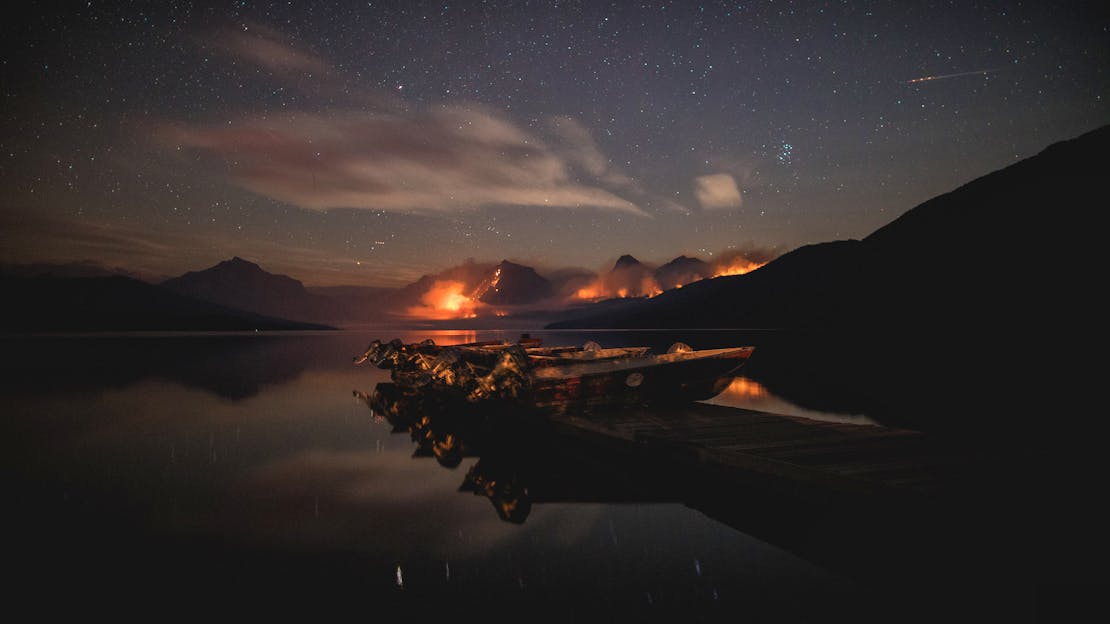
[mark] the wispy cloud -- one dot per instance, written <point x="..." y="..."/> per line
<point x="442" y="158"/>
<point x="270" y="49"/>
<point x="575" y="143"/>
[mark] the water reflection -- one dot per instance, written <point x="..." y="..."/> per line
<point x="751" y="394"/>
<point x="195" y="469"/>
<point x="523" y="462"/>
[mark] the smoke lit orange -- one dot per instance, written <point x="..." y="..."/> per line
<point x="445" y="300"/>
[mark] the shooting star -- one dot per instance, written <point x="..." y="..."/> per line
<point x="943" y="76"/>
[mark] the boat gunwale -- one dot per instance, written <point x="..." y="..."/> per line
<point x="577" y="368"/>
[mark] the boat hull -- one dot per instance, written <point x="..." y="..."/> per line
<point x="639" y="383"/>
<point x="557" y="378"/>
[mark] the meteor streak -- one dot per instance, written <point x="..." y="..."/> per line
<point x="943" y="76"/>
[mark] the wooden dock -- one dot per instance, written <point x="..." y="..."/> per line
<point x="822" y="458"/>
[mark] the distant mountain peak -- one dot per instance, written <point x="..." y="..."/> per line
<point x="682" y="270"/>
<point x="241" y="284"/>
<point x="626" y="261"/>
<point x="238" y="263"/>
<point x="684" y="259"/>
<point x="512" y="283"/>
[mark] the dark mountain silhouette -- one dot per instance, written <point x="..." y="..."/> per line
<point x="628" y="278"/>
<point x="513" y="284"/>
<point x="626" y="262"/>
<point x="505" y="283"/>
<point x="470" y="274"/>
<point x="990" y="253"/>
<point x="682" y="270"/>
<point x="243" y="285"/>
<point x="119" y="304"/>
<point x="971" y="314"/>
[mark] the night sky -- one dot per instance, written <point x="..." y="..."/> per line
<point x="368" y="143"/>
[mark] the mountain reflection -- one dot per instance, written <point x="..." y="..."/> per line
<point x="234" y="367"/>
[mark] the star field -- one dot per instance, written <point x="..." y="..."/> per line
<point x="370" y="142"/>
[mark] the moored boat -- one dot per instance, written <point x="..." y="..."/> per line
<point x="525" y="373"/>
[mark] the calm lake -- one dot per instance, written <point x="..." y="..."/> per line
<point x="164" y="474"/>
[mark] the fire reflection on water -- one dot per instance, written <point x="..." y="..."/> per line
<point x="750" y="394"/>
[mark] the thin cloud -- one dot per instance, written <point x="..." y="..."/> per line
<point x="272" y="50"/>
<point x="577" y="145"/>
<point x="440" y="159"/>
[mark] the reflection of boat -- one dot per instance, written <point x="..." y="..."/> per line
<point x="520" y="462"/>
<point x="526" y="373"/>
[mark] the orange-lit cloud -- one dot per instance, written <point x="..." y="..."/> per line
<point x="446" y="299"/>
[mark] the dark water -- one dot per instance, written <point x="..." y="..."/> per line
<point x="210" y="475"/>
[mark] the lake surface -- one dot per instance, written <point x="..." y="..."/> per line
<point x="211" y="474"/>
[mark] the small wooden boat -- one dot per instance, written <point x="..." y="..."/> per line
<point x="676" y="376"/>
<point x="561" y="377"/>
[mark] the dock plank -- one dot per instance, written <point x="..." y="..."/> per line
<point x="858" y="458"/>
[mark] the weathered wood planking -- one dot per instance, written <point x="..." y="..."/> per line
<point x="844" y="458"/>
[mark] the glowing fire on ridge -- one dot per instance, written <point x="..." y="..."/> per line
<point x="737" y="266"/>
<point x="447" y="299"/>
<point x="604" y="288"/>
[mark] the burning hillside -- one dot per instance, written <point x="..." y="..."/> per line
<point x="444" y="300"/>
<point x="473" y="290"/>
<point x="630" y="278"/>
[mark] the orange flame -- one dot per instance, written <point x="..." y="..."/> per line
<point x="445" y="300"/>
<point x="604" y="288"/>
<point x="737" y="266"/>
<point x="590" y="292"/>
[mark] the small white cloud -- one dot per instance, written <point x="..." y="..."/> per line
<point x="718" y="190"/>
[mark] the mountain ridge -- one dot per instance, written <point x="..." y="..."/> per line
<point x="960" y="257"/>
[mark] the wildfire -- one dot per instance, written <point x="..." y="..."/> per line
<point x="737" y="266"/>
<point x="604" y="288"/>
<point x="744" y="388"/>
<point x="445" y="300"/>
<point x="590" y="292"/>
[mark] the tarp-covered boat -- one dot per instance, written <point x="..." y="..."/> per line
<point x="527" y="373"/>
